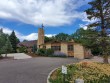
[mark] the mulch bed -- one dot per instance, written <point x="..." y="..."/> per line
<point x="32" y="54"/>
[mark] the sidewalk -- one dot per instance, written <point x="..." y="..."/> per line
<point x="18" y="55"/>
<point x="95" y="59"/>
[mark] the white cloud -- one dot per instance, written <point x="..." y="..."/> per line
<point x="32" y="36"/>
<point x="49" y="12"/>
<point x="50" y="35"/>
<point x="85" y="19"/>
<point x="83" y="26"/>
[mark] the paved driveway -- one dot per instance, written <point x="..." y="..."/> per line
<point x="34" y="70"/>
<point x="18" y="56"/>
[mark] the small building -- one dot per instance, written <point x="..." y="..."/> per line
<point x="70" y="49"/>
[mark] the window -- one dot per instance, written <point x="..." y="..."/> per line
<point x="70" y="47"/>
<point x="56" y="48"/>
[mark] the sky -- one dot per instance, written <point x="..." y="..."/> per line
<point x="57" y="16"/>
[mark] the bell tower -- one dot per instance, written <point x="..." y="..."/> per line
<point x="40" y="37"/>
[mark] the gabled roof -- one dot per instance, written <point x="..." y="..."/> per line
<point x="27" y="43"/>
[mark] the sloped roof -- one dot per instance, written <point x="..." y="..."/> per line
<point x="55" y="41"/>
<point x="27" y="43"/>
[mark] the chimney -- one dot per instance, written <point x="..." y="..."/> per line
<point x="40" y="37"/>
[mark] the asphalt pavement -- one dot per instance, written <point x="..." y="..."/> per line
<point x="33" y="70"/>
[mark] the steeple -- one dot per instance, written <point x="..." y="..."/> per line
<point x="40" y="36"/>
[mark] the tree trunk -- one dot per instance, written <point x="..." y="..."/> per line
<point x="105" y="59"/>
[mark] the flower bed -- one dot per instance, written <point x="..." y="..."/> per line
<point x="90" y="72"/>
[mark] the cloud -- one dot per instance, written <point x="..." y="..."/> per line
<point x="35" y="12"/>
<point x="32" y="36"/>
<point x="83" y="26"/>
<point x="87" y="21"/>
<point x="50" y="35"/>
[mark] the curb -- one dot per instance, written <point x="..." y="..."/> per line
<point x="54" y="70"/>
<point x="51" y="73"/>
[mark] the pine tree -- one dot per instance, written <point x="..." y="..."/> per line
<point x="13" y="40"/>
<point x="100" y="11"/>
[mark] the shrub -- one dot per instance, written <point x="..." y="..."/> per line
<point x="49" y="52"/>
<point x="45" y="52"/>
<point x="59" y="54"/>
<point x="90" y="72"/>
<point x="41" y="52"/>
<point x="22" y="49"/>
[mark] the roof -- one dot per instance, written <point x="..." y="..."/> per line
<point x="27" y="43"/>
<point x="59" y="42"/>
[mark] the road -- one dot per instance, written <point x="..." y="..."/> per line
<point x="33" y="70"/>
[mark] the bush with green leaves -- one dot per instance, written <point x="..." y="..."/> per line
<point x="22" y="49"/>
<point x="45" y="52"/>
<point x="41" y="52"/>
<point x="90" y="72"/>
<point x="49" y="52"/>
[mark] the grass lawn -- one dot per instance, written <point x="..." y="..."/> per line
<point x="91" y="72"/>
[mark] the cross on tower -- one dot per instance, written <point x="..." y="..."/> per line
<point x="42" y="26"/>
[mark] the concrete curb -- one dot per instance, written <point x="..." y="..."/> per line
<point x="56" y="69"/>
<point x="50" y="74"/>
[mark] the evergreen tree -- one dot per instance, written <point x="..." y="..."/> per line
<point x="7" y="48"/>
<point x="5" y="44"/>
<point x="100" y="11"/>
<point x="3" y="38"/>
<point x="13" y="40"/>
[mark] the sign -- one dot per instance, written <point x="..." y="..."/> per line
<point x="79" y="81"/>
<point x="64" y="69"/>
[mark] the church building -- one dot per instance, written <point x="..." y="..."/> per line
<point x="70" y="49"/>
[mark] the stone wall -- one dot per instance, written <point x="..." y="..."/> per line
<point x="48" y="45"/>
<point x="64" y="48"/>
